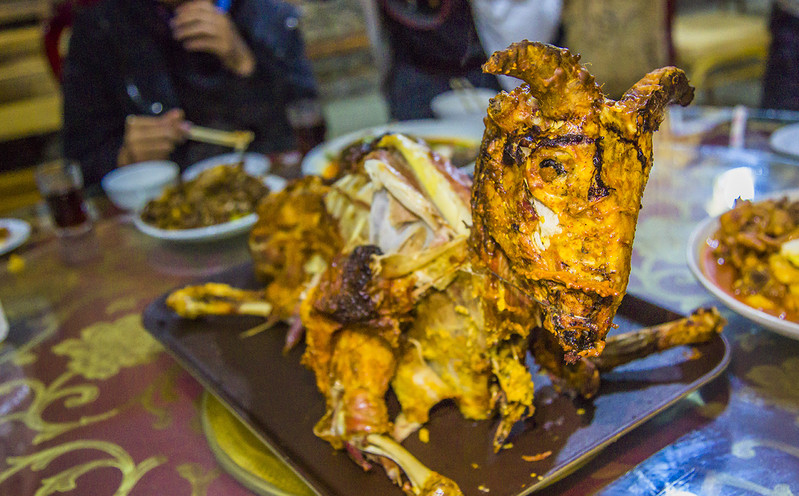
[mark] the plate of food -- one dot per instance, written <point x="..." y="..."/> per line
<point x="215" y="203"/>
<point x="255" y="164"/>
<point x="748" y="258"/>
<point x="457" y="140"/>
<point x="13" y="233"/>
<point x="785" y="140"/>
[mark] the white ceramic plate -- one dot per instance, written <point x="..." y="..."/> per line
<point x="19" y="231"/>
<point x="255" y="164"/>
<point x="209" y="233"/>
<point x="317" y="160"/>
<point x="785" y="140"/>
<point x="697" y="245"/>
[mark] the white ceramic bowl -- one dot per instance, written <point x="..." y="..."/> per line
<point x="471" y="102"/>
<point x="132" y="186"/>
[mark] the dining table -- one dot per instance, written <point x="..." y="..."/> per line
<point x="92" y="403"/>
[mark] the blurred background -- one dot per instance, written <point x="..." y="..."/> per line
<point x="722" y="45"/>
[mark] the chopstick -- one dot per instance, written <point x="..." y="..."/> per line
<point x="238" y="140"/>
<point x="460" y="83"/>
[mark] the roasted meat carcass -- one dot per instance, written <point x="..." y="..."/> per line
<point x="558" y="186"/>
<point x="437" y="288"/>
<point x="293" y="241"/>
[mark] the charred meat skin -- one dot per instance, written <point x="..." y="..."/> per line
<point x="346" y="298"/>
<point x="558" y="186"/>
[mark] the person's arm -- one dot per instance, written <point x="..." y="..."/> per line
<point x="260" y="39"/>
<point x="98" y="131"/>
<point x="271" y="30"/>
<point x="201" y="27"/>
<point x="280" y="71"/>
<point x="93" y="121"/>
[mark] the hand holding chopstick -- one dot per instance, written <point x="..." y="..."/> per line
<point x="155" y="137"/>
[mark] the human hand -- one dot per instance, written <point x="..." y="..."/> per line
<point x="151" y="138"/>
<point x="201" y="27"/>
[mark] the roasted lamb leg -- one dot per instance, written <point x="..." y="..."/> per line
<point x="583" y="376"/>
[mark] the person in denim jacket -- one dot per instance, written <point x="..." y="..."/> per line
<point x="138" y="72"/>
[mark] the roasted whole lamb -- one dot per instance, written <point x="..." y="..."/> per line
<point x="405" y="274"/>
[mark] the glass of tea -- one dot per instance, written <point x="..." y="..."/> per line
<point x="61" y="185"/>
<point x="308" y="122"/>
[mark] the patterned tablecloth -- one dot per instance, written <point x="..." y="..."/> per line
<point x="91" y="404"/>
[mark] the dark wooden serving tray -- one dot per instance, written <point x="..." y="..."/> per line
<point x="274" y="395"/>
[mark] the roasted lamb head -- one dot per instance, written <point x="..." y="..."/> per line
<point x="558" y="186"/>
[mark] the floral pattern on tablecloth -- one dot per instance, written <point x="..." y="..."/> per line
<point x="82" y="382"/>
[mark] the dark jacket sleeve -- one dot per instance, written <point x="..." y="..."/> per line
<point x="271" y="28"/>
<point x="93" y="120"/>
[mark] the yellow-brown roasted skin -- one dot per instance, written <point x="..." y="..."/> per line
<point x="451" y="352"/>
<point x="558" y="186"/>
<point x="218" y="299"/>
<point x="293" y="229"/>
<point x="353" y="322"/>
<point x="360" y="369"/>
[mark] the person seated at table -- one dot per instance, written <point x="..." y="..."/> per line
<point x="138" y="72"/>
<point x="500" y="23"/>
<point x="781" y="77"/>
<point x="420" y="48"/>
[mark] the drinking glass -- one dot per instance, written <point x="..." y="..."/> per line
<point x="308" y="122"/>
<point x="61" y="185"/>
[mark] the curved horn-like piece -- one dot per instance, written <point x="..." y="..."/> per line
<point x="562" y="86"/>
<point x="654" y="92"/>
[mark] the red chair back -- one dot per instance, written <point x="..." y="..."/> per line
<point x="55" y="28"/>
